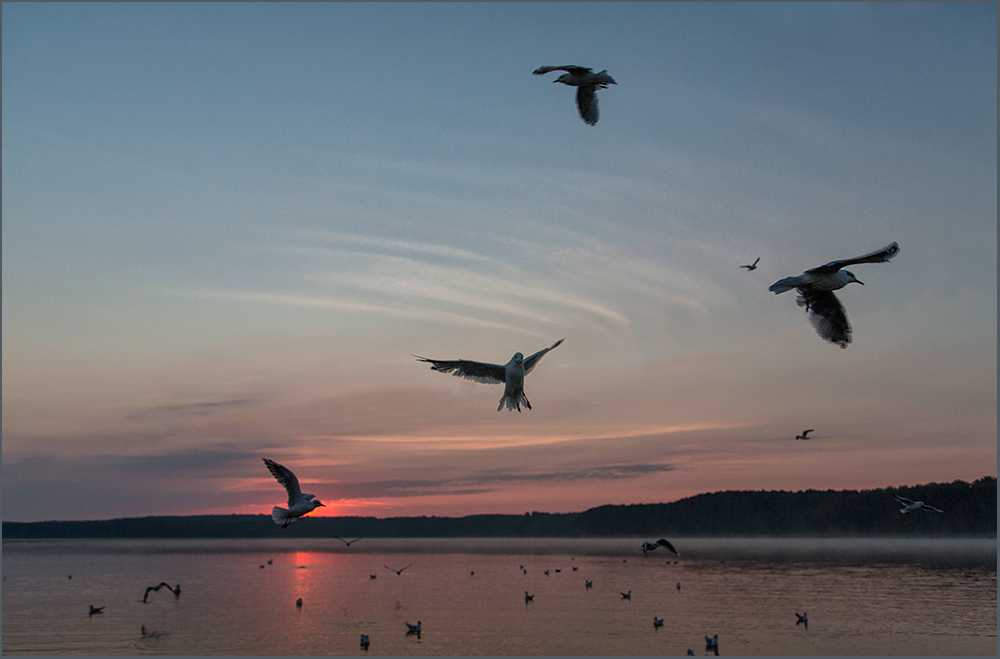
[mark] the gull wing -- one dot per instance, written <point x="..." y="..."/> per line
<point x="532" y="361"/>
<point x="937" y="510"/>
<point x="879" y="256"/>
<point x="463" y="368"/>
<point x="663" y="542"/>
<point x="287" y="480"/>
<point x="575" y="70"/>
<point x="827" y="315"/>
<point x="903" y="500"/>
<point x="586" y="102"/>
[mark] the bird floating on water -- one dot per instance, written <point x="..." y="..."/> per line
<point x="299" y="504"/>
<point x="96" y="609"/>
<point x="805" y="434"/>
<point x="909" y="505"/>
<point x="802" y="619"/>
<point x="364" y="642"/>
<point x="176" y="591"/>
<point x="662" y="542"/>
<point x="414" y="629"/>
<point x="627" y="596"/>
<point x="657" y="622"/>
<point x="528" y="598"/>
<point x="510" y="374"/>
<point x="678" y="585"/>
<point x="298" y="603"/>
<point x="711" y="643"/>
<point x="586" y="82"/>
<point x="816" y="287"/>
<point x="588" y="584"/>
<point x="399" y="571"/>
<point x="752" y="266"/>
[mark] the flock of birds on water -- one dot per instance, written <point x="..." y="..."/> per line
<point x="815" y="289"/>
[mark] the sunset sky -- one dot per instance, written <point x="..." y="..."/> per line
<point x="228" y="228"/>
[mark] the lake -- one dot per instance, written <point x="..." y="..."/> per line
<point x="863" y="596"/>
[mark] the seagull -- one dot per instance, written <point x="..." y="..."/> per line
<point x="711" y="643"/>
<point x="373" y="576"/>
<point x="364" y="642"/>
<point x="528" y="598"/>
<point x="657" y="622"/>
<point x="399" y="571"/>
<point x="299" y="504"/>
<point x="802" y="619"/>
<point x="298" y="603"/>
<point x="588" y="583"/>
<point x="96" y="609"/>
<point x="816" y="288"/>
<point x="662" y="542"/>
<point x="511" y="374"/>
<point x="586" y="82"/>
<point x="752" y="266"/>
<point x="413" y="629"/>
<point x="678" y="585"/>
<point x="805" y="434"/>
<point x="348" y="542"/>
<point x="627" y="596"/>
<point x="270" y="561"/>
<point x="690" y="652"/>
<point x="176" y="591"/>
<point x="909" y="505"/>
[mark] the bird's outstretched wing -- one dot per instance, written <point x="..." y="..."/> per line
<point x="576" y="70"/>
<point x="287" y="480"/>
<point x="663" y="542"/>
<point x="532" y="361"/>
<point x="827" y="315"/>
<point x="903" y="500"/>
<point x="463" y="368"/>
<point x="878" y="256"/>
<point x="586" y="102"/>
<point x="937" y="510"/>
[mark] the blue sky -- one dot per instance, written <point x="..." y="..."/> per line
<point x="226" y="228"/>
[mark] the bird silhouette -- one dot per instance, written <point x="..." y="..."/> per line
<point x="299" y="504"/>
<point x="805" y="434"/>
<point x="528" y="598"/>
<point x="627" y="596"/>
<point x="364" y="642"/>
<point x="802" y="619"/>
<point x="752" y="266"/>
<point x="399" y="571"/>
<point x="348" y="542"/>
<point x="657" y="622"/>
<point x="587" y="83"/>
<point x="909" y="505"/>
<point x="176" y="591"/>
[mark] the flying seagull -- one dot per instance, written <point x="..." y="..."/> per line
<point x="399" y="571"/>
<point x="348" y="542"/>
<point x="752" y="266"/>
<point x="805" y="434"/>
<point x="528" y="598"/>
<point x="662" y="542"/>
<point x="802" y="619"/>
<point x="511" y="374"/>
<point x="364" y="642"/>
<point x="176" y="591"/>
<point x="413" y="629"/>
<point x="96" y="609"/>
<point x="657" y="622"/>
<point x="816" y="287"/>
<point x="298" y="504"/>
<point x="909" y="505"/>
<point x="627" y="596"/>
<point x="586" y="82"/>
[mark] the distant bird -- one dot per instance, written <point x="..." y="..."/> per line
<point x="546" y="573"/>
<point x="588" y="584"/>
<point x="816" y="287"/>
<point x="176" y="591"/>
<point x="510" y="374"/>
<point x="528" y="598"/>
<point x="752" y="266"/>
<point x="524" y="570"/>
<point x="70" y="576"/>
<point x="805" y="434"/>
<point x="299" y="504"/>
<point x="558" y="570"/>
<point x="399" y="571"/>
<point x="627" y="596"/>
<point x="413" y="629"/>
<point x="712" y="643"/>
<point x="802" y="619"/>
<point x="662" y="542"/>
<point x="96" y="609"/>
<point x="261" y="567"/>
<point x="587" y="83"/>
<point x="910" y="505"/>
<point x="348" y="542"/>
<point x="657" y="622"/>
<point x="473" y="573"/>
<point x="270" y="561"/>
<point x="298" y="603"/>
<point x="690" y="652"/>
<point x="678" y="585"/>
<point x="373" y="576"/>
<point x="364" y="642"/>
<point x="574" y="568"/>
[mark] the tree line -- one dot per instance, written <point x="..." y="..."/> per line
<point x="970" y="509"/>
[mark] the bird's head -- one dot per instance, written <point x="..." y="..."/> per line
<point x="564" y="79"/>
<point x="317" y="504"/>
<point x="852" y="278"/>
<point x="518" y="358"/>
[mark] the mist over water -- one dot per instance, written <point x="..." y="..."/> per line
<point x="863" y="596"/>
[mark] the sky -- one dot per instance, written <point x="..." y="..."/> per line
<point x="228" y="228"/>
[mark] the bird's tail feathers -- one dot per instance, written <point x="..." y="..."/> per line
<point x="281" y="517"/>
<point x="782" y="285"/>
<point x="513" y="402"/>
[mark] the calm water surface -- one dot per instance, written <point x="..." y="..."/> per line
<point x="890" y="597"/>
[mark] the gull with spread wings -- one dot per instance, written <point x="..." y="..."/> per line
<point x="298" y="504"/>
<point x="510" y="374"/>
<point x="816" y="287"/>
<point x="586" y="82"/>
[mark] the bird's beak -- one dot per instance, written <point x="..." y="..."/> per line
<point x="320" y="504"/>
<point x="860" y="282"/>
